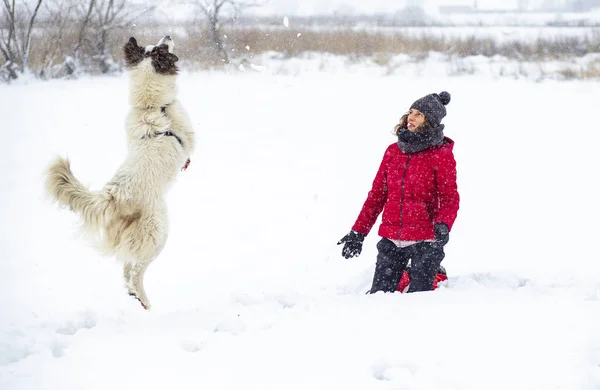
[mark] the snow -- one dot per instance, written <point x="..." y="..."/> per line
<point x="251" y="290"/>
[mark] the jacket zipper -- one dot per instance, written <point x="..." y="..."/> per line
<point x="402" y="195"/>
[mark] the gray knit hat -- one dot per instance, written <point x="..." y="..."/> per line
<point x="432" y="106"/>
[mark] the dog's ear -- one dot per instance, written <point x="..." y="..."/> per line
<point x="133" y="53"/>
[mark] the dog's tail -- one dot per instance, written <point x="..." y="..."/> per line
<point x="63" y="187"/>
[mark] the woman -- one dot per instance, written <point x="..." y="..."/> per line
<point x="415" y="187"/>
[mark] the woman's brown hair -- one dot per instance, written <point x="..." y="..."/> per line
<point x="403" y="122"/>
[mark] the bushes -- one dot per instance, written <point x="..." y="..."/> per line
<point x="52" y="50"/>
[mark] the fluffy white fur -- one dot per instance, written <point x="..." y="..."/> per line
<point x="128" y="217"/>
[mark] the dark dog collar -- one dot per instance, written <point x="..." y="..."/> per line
<point x="168" y="133"/>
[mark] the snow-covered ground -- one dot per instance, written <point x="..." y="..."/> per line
<point x="497" y="68"/>
<point x="251" y="291"/>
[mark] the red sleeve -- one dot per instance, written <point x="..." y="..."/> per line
<point x="447" y="189"/>
<point x="375" y="200"/>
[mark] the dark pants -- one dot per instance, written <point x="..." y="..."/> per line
<point x="425" y="259"/>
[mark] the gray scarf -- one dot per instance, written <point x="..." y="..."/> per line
<point x="413" y="142"/>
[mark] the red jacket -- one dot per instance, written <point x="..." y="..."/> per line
<point x="415" y="191"/>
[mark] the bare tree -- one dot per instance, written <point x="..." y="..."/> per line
<point x="16" y="26"/>
<point x="7" y="39"/>
<point x="98" y="20"/>
<point x="220" y="13"/>
<point x="58" y="23"/>
<point x="82" y="28"/>
<point x="26" y="49"/>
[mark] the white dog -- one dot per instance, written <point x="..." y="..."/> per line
<point x="128" y="217"/>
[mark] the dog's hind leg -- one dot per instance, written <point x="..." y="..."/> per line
<point x="127" y="276"/>
<point x="136" y="281"/>
<point x="134" y="277"/>
<point x="145" y="240"/>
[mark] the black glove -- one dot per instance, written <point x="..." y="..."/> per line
<point x="442" y="234"/>
<point x="352" y="244"/>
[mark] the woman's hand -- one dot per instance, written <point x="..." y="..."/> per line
<point x="442" y="234"/>
<point x="352" y="244"/>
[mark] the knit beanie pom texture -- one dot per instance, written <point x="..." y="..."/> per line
<point x="444" y="97"/>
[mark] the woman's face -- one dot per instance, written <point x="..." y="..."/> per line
<point x="415" y="119"/>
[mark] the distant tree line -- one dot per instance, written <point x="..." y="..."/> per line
<point x="583" y="5"/>
<point x="65" y="38"/>
<point x="38" y="28"/>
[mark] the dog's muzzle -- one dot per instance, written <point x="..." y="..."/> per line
<point x="167" y="40"/>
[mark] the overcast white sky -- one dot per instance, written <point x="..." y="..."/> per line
<point x="307" y="7"/>
<point x="176" y="9"/>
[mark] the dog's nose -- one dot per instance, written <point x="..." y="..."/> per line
<point x="168" y="38"/>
